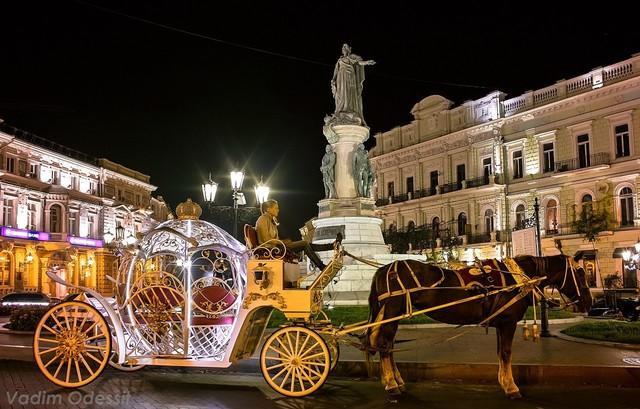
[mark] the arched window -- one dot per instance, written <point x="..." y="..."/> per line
<point x="551" y="216"/>
<point x="435" y="227"/>
<point x="462" y="223"/>
<point x="411" y="225"/>
<point x="520" y="215"/>
<point x="587" y="206"/>
<point x="488" y="221"/>
<point x="626" y="207"/>
<point x="55" y="219"/>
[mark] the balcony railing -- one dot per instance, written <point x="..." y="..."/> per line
<point x="482" y="237"/>
<point x="477" y="182"/>
<point x="450" y="187"/>
<point x="596" y="159"/>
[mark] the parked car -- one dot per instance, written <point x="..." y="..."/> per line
<point x="629" y="308"/>
<point x="24" y="299"/>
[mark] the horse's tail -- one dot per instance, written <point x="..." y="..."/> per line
<point x="374" y="309"/>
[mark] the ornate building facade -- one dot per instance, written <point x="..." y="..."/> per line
<point x="57" y="205"/>
<point x="474" y="171"/>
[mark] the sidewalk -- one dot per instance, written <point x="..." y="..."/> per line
<point x="472" y="357"/>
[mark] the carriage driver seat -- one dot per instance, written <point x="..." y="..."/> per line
<point x="291" y="268"/>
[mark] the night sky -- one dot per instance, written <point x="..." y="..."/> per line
<point x="176" y="106"/>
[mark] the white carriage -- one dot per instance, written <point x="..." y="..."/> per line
<point x="189" y="294"/>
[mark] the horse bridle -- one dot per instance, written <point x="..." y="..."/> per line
<point x="569" y="266"/>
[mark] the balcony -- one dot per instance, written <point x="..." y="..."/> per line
<point x="450" y="187"/>
<point x="597" y="159"/>
<point x="482" y="237"/>
<point x="477" y="182"/>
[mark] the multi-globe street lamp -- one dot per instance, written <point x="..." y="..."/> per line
<point x="210" y="188"/>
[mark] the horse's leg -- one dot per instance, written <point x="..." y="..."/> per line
<point x="396" y="374"/>
<point x="505" y="375"/>
<point x="382" y="339"/>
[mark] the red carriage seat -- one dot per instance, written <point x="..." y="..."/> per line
<point x="213" y="298"/>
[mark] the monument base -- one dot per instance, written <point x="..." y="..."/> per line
<point x="358" y="206"/>
<point x="362" y="237"/>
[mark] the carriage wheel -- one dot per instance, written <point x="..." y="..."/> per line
<point x="295" y="361"/>
<point x="72" y="344"/>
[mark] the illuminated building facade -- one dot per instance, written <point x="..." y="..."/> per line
<point x="57" y="205"/>
<point x="474" y="170"/>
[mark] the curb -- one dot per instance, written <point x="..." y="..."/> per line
<point x="609" y="344"/>
<point x="440" y="325"/>
<point x="524" y="374"/>
<point x="4" y="330"/>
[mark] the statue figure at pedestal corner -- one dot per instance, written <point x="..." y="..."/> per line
<point x="328" y="172"/>
<point x="371" y="179"/>
<point x="346" y="87"/>
<point x="362" y="172"/>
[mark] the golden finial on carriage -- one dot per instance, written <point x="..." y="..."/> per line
<point x="188" y="210"/>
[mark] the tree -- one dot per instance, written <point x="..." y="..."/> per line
<point x="592" y="222"/>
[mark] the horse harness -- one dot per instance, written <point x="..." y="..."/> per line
<point x="512" y="269"/>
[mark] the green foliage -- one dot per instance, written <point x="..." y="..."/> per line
<point x="26" y="319"/>
<point x="612" y="331"/>
<point x="592" y="222"/>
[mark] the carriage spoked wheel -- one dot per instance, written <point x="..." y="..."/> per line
<point x="72" y="344"/>
<point x="295" y="361"/>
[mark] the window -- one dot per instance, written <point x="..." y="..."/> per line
<point x="517" y="165"/>
<point x="587" y="206"/>
<point x="435" y="227"/>
<point x="91" y="225"/>
<point x="460" y="174"/>
<point x="5" y="270"/>
<point x="520" y="215"/>
<point x="32" y="217"/>
<point x="626" y="207"/>
<point x="10" y="163"/>
<point x="433" y="178"/>
<point x="390" y="190"/>
<point x="55" y="219"/>
<point x="65" y="180"/>
<point x="622" y="140"/>
<point x="7" y="212"/>
<point x="22" y="167"/>
<point x="73" y="224"/>
<point x="551" y="217"/>
<point x="488" y="221"/>
<point x="139" y="201"/>
<point x="411" y="225"/>
<point x="487" y="168"/>
<point x="584" y="159"/>
<point x="409" y="185"/>
<point x="46" y="175"/>
<point x="548" y="157"/>
<point x="462" y="224"/>
<point x="33" y="170"/>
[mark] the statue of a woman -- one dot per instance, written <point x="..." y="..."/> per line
<point x="346" y="85"/>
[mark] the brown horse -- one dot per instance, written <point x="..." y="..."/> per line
<point x="402" y="285"/>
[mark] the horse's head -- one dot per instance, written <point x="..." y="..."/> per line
<point x="570" y="279"/>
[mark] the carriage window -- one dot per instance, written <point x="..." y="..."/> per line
<point x="520" y="215"/>
<point x="626" y="207"/>
<point x="488" y="221"/>
<point x="462" y="223"/>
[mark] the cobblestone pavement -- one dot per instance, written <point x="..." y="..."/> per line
<point x="168" y="388"/>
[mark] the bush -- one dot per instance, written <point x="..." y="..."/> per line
<point x="26" y="319"/>
<point x="612" y="331"/>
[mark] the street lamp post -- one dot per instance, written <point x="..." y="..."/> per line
<point x="544" y="312"/>
<point x="210" y="188"/>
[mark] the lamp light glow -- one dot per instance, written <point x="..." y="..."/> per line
<point x="262" y="192"/>
<point x="209" y="189"/>
<point x="237" y="177"/>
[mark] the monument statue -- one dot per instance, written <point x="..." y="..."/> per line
<point x="346" y="87"/>
<point x="328" y="172"/>
<point x="362" y="172"/>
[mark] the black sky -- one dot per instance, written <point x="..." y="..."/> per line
<point x="176" y="106"/>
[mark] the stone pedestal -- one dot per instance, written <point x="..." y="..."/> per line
<point x="352" y="216"/>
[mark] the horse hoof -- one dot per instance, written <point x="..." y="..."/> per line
<point x="514" y="395"/>
<point x="394" y="391"/>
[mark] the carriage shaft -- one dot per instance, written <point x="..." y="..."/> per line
<point x="360" y="326"/>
